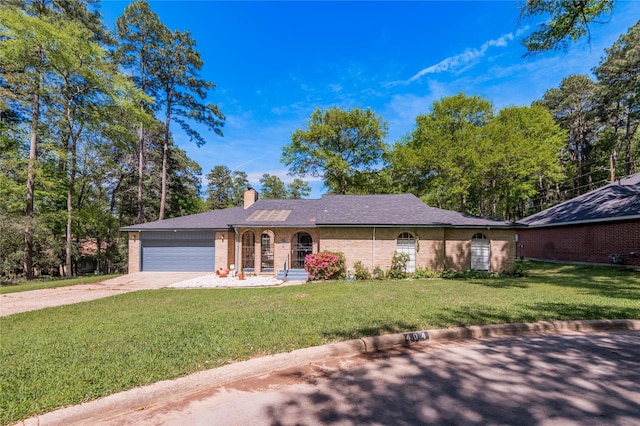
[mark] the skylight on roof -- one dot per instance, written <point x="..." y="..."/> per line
<point x="269" y="216"/>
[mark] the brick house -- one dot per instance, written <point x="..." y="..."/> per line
<point x="600" y="227"/>
<point x="269" y="236"/>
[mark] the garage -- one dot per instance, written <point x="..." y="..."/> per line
<point x="178" y="251"/>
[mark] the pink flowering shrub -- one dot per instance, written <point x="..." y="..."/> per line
<point x="326" y="265"/>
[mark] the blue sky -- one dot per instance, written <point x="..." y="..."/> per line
<point x="274" y="63"/>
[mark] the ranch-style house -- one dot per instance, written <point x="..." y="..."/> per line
<point x="273" y="237"/>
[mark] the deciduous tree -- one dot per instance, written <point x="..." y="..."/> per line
<point x="337" y="146"/>
<point x="519" y="162"/>
<point x="440" y="158"/>
<point x="569" y="20"/>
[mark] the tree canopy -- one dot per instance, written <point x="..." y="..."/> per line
<point x="86" y="145"/>
<point x="274" y="187"/>
<point x="225" y="188"/>
<point x="569" y="20"/>
<point x="337" y="145"/>
<point x="462" y="157"/>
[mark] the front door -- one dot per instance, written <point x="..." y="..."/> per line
<point x="302" y="245"/>
<point x="248" y="252"/>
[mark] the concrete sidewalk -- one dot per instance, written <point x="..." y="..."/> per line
<point x="172" y="401"/>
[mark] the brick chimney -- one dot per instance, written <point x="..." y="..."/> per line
<point x="250" y="197"/>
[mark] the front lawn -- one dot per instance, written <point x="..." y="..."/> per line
<point x="70" y="354"/>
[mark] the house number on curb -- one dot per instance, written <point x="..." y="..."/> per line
<point x="414" y="337"/>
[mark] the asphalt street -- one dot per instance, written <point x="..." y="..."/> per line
<point x="550" y="379"/>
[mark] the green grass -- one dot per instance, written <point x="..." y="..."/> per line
<point x="70" y="354"/>
<point x="43" y="283"/>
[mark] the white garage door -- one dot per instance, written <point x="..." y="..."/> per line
<point x="187" y="251"/>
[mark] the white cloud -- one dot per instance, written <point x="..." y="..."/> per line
<point x="466" y="58"/>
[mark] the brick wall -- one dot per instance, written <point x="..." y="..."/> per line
<point x="134" y="252"/>
<point x="225" y="249"/>
<point x="458" y="248"/>
<point x="583" y="243"/>
<point x="282" y="248"/>
<point x="433" y="251"/>
<point x="371" y="247"/>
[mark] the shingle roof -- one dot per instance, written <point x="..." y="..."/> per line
<point x="303" y="213"/>
<point x="616" y="201"/>
<point x="214" y="219"/>
<point x="330" y="210"/>
<point x="393" y="209"/>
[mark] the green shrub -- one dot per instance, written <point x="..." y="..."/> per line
<point x="377" y="274"/>
<point x="518" y="271"/>
<point x="398" y="266"/>
<point x="423" y="273"/>
<point x="467" y="274"/>
<point x="361" y="272"/>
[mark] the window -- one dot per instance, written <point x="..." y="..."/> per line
<point x="406" y="243"/>
<point x="480" y="252"/>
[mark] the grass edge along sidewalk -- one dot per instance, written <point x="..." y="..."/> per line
<point x="66" y="355"/>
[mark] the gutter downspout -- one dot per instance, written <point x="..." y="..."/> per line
<point x="237" y="248"/>
<point x="373" y="250"/>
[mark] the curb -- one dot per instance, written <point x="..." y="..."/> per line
<point x="373" y="344"/>
<point x="142" y="397"/>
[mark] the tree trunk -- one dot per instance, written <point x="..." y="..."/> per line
<point x="165" y="153"/>
<point x="33" y="146"/>
<point x="627" y="148"/>
<point x="73" y="160"/>
<point x="70" y="190"/>
<point x="141" y="166"/>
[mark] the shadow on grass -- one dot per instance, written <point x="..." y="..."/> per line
<point x="503" y="283"/>
<point x="600" y="281"/>
<point x="475" y="315"/>
<point x="373" y="330"/>
<point x="596" y="280"/>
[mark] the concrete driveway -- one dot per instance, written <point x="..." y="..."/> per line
<point x="24" y="301"/>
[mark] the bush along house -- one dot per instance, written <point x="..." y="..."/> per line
<point x="273" y="237"/>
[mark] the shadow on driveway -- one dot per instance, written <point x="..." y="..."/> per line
<point x="561" y="379"/>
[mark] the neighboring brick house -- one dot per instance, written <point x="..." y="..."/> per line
<point x="274" y="236"/>
<point x="601" y="226"/>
